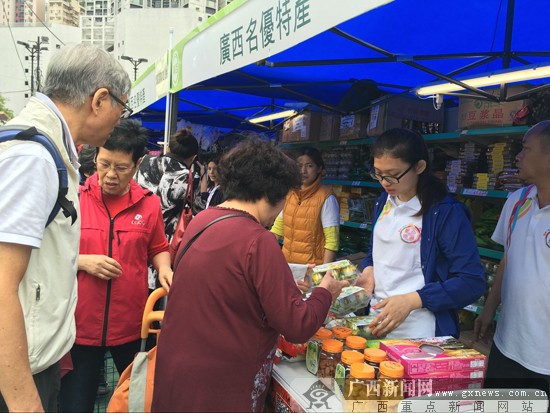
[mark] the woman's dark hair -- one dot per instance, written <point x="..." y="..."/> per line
<point x="410" y="147"/>
<point x="86" y="159"/>
<point x="254" y="169"/>
<point x="313" y="153"/>
<point x="183" y="144"/>
<point x="128" y="137"/>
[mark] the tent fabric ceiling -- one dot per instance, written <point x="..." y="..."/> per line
<point x="407" y="36"/>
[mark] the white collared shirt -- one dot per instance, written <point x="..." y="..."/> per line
<point x="397" y="267"/>
<point x="523" y="329"/>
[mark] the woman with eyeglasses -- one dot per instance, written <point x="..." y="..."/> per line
<point x="121" y="231"/>
<point x="424" y="264"/>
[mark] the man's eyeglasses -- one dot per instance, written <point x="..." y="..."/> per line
<point x="127" y="111"/>
<point x="390" y="179"/>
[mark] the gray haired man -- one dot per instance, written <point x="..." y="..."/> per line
<point x="83" y="99"/>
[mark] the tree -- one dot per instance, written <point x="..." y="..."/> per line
<point x="5" y="113"/>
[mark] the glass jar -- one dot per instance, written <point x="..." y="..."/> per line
<point x="314" y="349"/>
<point x="329" y="358"/>
<point x="373" y="357"/>
<point x="355" y="343"/>
<point x="391" y="384"/>
<point x="361" y="384"/>
<point x="341" y="333"/>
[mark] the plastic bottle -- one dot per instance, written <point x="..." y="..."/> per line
<point x="361" y="384"/>
<point x="341" y="333"/>
<point x="373" y="357"/>
<point x="391" y="384"/>
<point x="314" y="349"/>
<point x="329" y="358"/>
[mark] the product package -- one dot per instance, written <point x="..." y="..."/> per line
<point x="341" y="270"/>
<point x="350" y="299"/>
<point x="360" y="326"/>
<point x="437" y="354"/>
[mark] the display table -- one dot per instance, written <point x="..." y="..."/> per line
<point x="295" y="389"/>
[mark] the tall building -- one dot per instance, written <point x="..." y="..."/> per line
<point x="22" y="11"/>
<point x="65" y="12"/>
<point x="223" y="3"/>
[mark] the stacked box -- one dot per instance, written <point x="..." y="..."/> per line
<point x="353" y="126"/>
<point x="460" y="172"/>
<point x="304" y="127"/>
<point x="478" y="113"/>
<point x="402" y="112"/>
<point x="443" y="356"/>
<point x="328" y="127"/>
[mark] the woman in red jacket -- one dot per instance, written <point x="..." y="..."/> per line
<point x="121" y="231"/>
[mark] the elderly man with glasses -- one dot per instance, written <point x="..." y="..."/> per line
<point x="81" y="102"/>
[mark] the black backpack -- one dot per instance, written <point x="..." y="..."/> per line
<point x="25" y="133"/>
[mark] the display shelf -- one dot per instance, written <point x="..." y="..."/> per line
<point x="488" y="253"/>
<point x="481" y="192"/>
<point x="435" y="137"/>
<point x="460" y="191"/>
<point x="369" y="184"/>
<point x="328" y="144"/>
<point x="359" y="225"/>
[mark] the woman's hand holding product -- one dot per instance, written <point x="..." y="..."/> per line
<point x="393" y="311"/>
<point x="333" y="286"/>
<point x="366" y="280"/>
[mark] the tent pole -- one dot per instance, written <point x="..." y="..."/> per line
<point x="168" y="114"/>
<point x="507" y="54"/>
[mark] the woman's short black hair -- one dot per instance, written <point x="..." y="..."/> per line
<point x="313" y="153"/>
<point x="86" y="159"/>
<point x="184" y="144"/>
<point x="128" y="137"/>
<point x="254" y="169"/>
<point x="410" y="147"/>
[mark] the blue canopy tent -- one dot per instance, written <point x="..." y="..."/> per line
<point x="391" y="49"/>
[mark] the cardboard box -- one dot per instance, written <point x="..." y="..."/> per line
<point x="394" y="112"/>
<point x="304" y="127"/>
<point x="426" y="355"/>
<point x="477" y="113"/>
<point x="353" y="126"/>
<point x="328" y="128"/>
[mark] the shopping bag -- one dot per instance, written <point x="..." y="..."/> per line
<point x="183" y="222"/>
<point x="134" y="391"/>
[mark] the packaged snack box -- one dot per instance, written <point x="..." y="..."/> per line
<point x="427" y="355"/>
<point x="350" y="299"/>
<point x="341" y="270"/>
<point x="360" y="326"/>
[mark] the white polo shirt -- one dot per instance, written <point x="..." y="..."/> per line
<point x="523" y="329"/>
<point x="397" y="267"/>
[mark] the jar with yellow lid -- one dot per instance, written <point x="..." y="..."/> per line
<point x="341" y="333"/>
<point x="391" y="384"/>
<point x="373" y="357"/>
<point x="329" y="357"/>
<point x="355" y="343"/>
<point x="314" y="349"/>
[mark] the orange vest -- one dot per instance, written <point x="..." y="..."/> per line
<point x="304" y="240"/>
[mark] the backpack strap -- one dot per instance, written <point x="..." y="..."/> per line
<point x="515" y="213"/>
<point x="23" y="133"/>
<point x="194" y="237"/>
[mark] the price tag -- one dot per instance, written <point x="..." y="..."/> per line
<point x="475" y="192"/>
<point x="343" y="143"/>
<point x="363" y="226"/>
<point x="356" y="183"/>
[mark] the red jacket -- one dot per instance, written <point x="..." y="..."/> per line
<point x="109" y="313"/>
